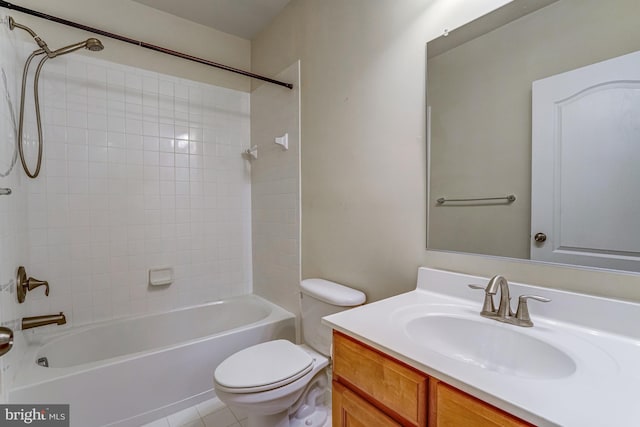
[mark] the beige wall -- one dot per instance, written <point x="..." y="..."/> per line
<point x="143" y="23"/>
<point x="363" y="147"/>
<point x="480" y="98"/>
<point x="363" y="143"/>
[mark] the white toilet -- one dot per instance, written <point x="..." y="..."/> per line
<point x="280" y="384"/>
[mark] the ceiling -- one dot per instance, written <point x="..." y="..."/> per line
<point x="243" y="18"/>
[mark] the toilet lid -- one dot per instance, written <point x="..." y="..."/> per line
<point x="263" y="367"/>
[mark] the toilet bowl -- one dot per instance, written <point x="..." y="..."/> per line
<point x="280" y="384"/>
<point x="284" y="372"/>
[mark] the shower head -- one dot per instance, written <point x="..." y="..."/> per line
<point x="91" y="44"/>
<point x="94" y="45"/>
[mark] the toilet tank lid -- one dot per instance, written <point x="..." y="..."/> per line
<point x="332" y="293"/>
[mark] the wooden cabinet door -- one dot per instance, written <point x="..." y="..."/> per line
<point x="398" y="390"/>
<point x="350" y="410"/>
<point x="450" y="407"/>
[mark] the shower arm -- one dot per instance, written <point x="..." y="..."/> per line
<point x="41" y="43"/>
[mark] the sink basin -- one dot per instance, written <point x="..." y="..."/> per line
<point x="497" y="347"/>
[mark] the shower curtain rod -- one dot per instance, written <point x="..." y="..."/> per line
<point x="142" y="44"/>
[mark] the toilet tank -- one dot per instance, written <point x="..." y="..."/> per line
<point x="319" y="298"/>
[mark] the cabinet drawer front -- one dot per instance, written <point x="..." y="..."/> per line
<point x="399" y="389"/>
<point x="350" y="410"/>
<point x="451" y="407"/>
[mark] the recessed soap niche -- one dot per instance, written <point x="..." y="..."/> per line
<point x="160" y="276"/>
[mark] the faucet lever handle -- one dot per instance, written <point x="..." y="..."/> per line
<point x="488" y="308"/>
<point x="533" y="297"/>
<point x="34" y="283"/>
<point x="23" y="284"/>
<point x="522" y="313"/>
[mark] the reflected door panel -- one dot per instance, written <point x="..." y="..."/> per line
<point x="586" y="165"/>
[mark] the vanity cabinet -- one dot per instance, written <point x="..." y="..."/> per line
<point x="374" y="390"/>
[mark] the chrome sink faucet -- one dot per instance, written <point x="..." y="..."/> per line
<point x="504" y="312"/>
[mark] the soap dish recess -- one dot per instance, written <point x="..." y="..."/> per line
<point x="161" y="276"/>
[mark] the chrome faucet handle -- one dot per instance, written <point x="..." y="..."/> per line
<point x="488" y="308"/>
<point x="522" y="314"/>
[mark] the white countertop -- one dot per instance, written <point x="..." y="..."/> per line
<point x="601" y="335"/>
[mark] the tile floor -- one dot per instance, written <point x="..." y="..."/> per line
<point x="212" y="413"/>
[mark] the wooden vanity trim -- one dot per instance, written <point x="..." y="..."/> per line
<point x="400" y="390"/>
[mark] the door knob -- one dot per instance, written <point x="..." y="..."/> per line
<point x="540" y="237"/>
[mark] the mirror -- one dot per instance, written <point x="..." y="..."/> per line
<point x="540" y="100"/>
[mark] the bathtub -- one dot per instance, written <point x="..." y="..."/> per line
<point x="132" y="371"/>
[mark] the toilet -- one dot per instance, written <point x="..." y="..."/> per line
<point x="280" y="384"/>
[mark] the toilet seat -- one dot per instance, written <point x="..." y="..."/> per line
<point x="263" y="367"/>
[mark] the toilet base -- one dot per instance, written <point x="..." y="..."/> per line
<point x="310" y="410"/>
<point x="320" y="418"/>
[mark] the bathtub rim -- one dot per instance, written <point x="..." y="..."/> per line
<point x="29" y="373"/>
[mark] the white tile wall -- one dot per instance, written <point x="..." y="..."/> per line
<point x="144" y="170"/>
<point x="13" y="208"/>
<point x="141" y="170"/>
<point x="276" y="191"/>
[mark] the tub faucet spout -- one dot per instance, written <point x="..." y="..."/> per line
<point x="36" y="321"/>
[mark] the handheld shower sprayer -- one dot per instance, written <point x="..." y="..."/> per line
<point x="91" y="44"/>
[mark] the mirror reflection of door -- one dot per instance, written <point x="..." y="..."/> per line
<point x="585" y="160"/>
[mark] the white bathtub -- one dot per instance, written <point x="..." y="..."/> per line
<point x="132" y="371"/>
